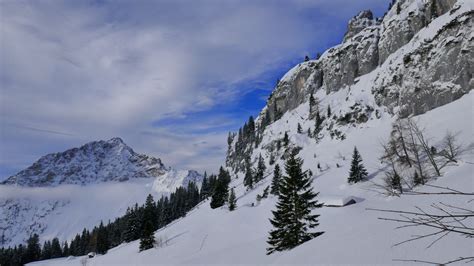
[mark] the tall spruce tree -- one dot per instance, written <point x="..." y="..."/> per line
<point x="132" y="231"/>
<point x="318" y="124"/>
<point x="248" y="178"/>
<point x="275" y="187"/>
<point x="66" y="251"/>
<point x="232" y="200"/>
<point x="221" y="192"/>
<point x="56" y="250"/>
<point x="147" y="238"/>
<point x="260" y="169"/>
<point x="286" y="139"/>
<point x="102" y="239"/>
<point x="312" y="103"/>
<point x="293" y="218"/>
<point x="357" y="172"/>
<point x="33" y="249"/>
<point x="299" y="129"/>
<point x="46" y="250"/>
<point x="205" y="188"/>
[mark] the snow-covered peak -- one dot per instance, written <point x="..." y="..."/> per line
<point x="97" y="161"/>
<point x="50" y="198"/>
<point x="361" y="21"/>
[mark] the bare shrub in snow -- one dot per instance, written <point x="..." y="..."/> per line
<point x="408" y="153"/>
<point x="442" y="218"/>
<point x="451" y="150"/>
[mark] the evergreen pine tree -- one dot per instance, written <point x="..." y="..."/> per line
<point x="286" y="139"/>
<point x="132" y="229"/>
<point x="275" y="187"/>
<point x="66" y="251"/>
<point x="306" y="58"/>
<point x="102" y="239"/>
<point x="293" y="217"/>
<point x="312" y="103"/>
<point x="221" y="192"/>
<point x="232" y="200"/>
<point x="147" y="238"/>
<point x="56" y="251"/>
<point x="267" y="120"/>
<point x="260" y="169"/>
<point x="329" y="111"/>
<point x="46" y="250"/>
<point x="318" y="126"/>
<point x="204" y="187"/>
<point x="271" y="161"/>
<point x="396" y="182"/>
<point x="248" y="178"/>
<point x="357" y="172"/>
<point x="299" y="129"/>
<point x="265" y="192"/>
<point x="33" y="249"/>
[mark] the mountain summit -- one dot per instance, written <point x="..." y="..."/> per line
<point x="94" y="162"/>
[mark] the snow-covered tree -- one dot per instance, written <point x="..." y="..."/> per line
<point x="318" y="125"/>
<point x="276" y="180"/>
<point x="147" y="238"/>
<point x="260" y="169"/>
<point x="293" y="219"/>
<point x="286" y="139"/>
<point x="248" y="178"/>
<point x="312" y="103"/>
<point x="232" y="200"/>
<point x="299" y="129"/>
<point x="357" y="172"/>
<point x="221" y="191"/>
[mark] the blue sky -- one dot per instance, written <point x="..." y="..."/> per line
<point x="169" y="77"/>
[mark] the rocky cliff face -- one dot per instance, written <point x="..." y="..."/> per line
<point x="368" y="44"/>
<point x="94" y="162"/>
<point x="417" y="57"/>
<point x="436" y="72"/>
<point x="405" y="19"/>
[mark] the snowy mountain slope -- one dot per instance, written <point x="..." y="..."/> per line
<point x="97" y="161"/>
<point x="365" y="99"/>
<point x="353" y="235"/>
<point x="99" y="189"/>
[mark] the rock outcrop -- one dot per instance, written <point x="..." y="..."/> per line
<point x="368" y="44"/>
<point x="437" y="72"/>
<point x="405" y="19"/>
<point x="363" y="20"/>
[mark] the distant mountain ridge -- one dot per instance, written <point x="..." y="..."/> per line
<point x="94" y="162"/>
<point x="107" y="177"/>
